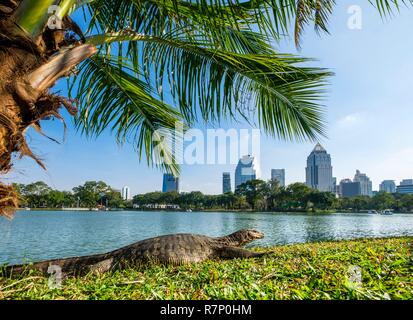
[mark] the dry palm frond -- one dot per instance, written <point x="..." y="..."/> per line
<point x="8" y="200"/>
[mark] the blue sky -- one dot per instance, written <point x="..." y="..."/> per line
<point x="369" y="119"/>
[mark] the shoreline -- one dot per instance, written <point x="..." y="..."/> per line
<point x="3" y="264"/>
<point x="202" y="210"/>
<point x="317" y="270"/>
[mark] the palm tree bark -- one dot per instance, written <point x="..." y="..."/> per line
<point x="29" y="67"/>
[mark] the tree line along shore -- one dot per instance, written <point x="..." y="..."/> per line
<point x="255" y="195"/>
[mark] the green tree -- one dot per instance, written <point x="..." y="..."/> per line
<point x="69" y="200"/>
<point x="153" y="197"/>
<point x="361" y="203"/>
<point x="322" y="200"/>
<point x="114" y="199"/>
<point x="274" y="195"/>
<point x="406" y="202"/>
<point x="255" y="192"/>
<point x="55" y="199"/>
<point x="36" y="194"/>
<point x="193" y="200"/>
<point x="296" y="196"/>
<point x="170" y="197"/>
<point x="90" y="193"/>
<point x="382" y="201"/>
<point x="240" y="202"/>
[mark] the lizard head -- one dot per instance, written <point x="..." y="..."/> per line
<point x="245" y="236"/>
<point x="252" y="234"/>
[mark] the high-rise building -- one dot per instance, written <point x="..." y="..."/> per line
<point x="279" y="175"/>
<point x="126" y="193"/>
<point x="319" y="172"/>
<point x="170" y="183"/>
<point x="366" y="186"/>
<point x="335" y="186"/>
<point x="349" y="189"/>
<point x="405" y="187"/>
<point x="246" y="170"/>
<point x="406" y="182"/>
<point x="388" y="186"/>
<point x="226" y="182"/>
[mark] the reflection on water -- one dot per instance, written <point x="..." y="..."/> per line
<point x="33" y="236"/>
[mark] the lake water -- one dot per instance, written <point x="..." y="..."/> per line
<point x="40" y="235"/>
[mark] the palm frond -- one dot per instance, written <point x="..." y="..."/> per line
<point x="387" y="7"/>
<point x="322" y="11"/>
<point x="199" y="16"/>
<point x="312" y="11"/>
<point x="218" y="83"/>
<point x="317" y="12"/>
<point x="207" y="55"/>
<point x="118" y="99"/>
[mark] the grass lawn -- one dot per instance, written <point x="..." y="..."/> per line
<point x="356" y="269"/>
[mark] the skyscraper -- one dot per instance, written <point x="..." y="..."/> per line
<point x="405" y="187"/>
<point x="279" y="175"/>
<point x="348" y="188"/>
<point x="246" y="170"/>
<point x="126" y="193"/>
<point x="406" y="182"/>
<point x="319" y="172"/>
<point x="388" y="186"/>
<point x="335" y="186"/>
<point x="170" y="183"/>
<point x="226" y="182"/>
<point x="366" y="186"/>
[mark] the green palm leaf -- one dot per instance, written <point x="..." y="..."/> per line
<point x="156" y="16"/>
<point x="387" y="7"/>
<point x="217" y="68"/>
<point x="117" y="99"/>
<point x="217" y="83"/>
<point x="317" y="12"/>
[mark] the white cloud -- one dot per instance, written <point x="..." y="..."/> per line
<point x="350" y="120"/>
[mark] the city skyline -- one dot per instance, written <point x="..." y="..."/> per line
<point x="170" y="183"/>
<point x="361" y="185"/>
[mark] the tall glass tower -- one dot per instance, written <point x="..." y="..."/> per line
<point x="319" y="172"/>
<point x="226" y="182"/>
<point x="246" y="170"/>
<point x="170" y="183"/>
<point x="279" y="175"/>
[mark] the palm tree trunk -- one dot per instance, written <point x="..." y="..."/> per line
<point x="27" y="72"/>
